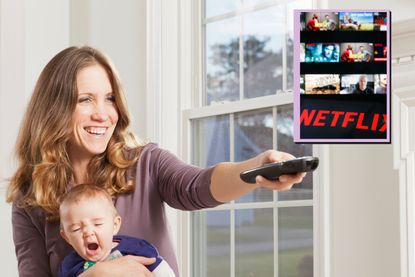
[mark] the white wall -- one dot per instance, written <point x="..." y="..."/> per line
<point x="31" y="32"/>
<point x="11" y="76"/>
<point x="364" y="211"/>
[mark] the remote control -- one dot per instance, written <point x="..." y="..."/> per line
<point x="272" y="171"/>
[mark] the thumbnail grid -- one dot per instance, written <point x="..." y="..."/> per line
<point x="337" y="49"/>
<point x="342" y="64"/>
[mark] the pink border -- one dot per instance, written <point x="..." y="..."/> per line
<point x="296" y="86"/>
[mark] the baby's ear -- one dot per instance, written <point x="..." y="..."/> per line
<point x="117" y="224"/>
<point x="63" y="235"/>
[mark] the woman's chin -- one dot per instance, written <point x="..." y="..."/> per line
<point x="94" y="151"/>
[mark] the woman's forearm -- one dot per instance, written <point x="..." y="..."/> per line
<point x="226" y="184"/>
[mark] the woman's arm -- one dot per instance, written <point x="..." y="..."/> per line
<point x="226" y="184"/>
<point x="188" y="187"/>
<point x="29" y="242"/>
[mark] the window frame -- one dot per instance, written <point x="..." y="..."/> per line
<point x="191" y="72"/>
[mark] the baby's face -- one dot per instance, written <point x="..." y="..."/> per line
<point x="89" y="226"/>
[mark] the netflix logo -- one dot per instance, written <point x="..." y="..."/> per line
<point x="353" y="117"/>
<point x="341" y="119"/>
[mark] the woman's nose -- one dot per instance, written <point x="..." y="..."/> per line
<point x="100" y="114"/>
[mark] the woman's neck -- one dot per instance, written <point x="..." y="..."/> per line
<point x="79" y="172"/>
<point x="80" y="167"/>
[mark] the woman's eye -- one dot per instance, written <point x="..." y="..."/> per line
<point x="111" y="98"/>
<point x="76" y="230"/>
<point x="98" y="224"/>
<point x="84" y="99"/>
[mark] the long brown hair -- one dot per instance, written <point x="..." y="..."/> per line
<point x="44" y="169"/>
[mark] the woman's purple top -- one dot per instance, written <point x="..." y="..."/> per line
<point x="160" y="177"/>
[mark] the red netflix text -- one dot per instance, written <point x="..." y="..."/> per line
<point x="321" y="118"/>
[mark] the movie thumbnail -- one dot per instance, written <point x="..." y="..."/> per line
<point x="357" y="84"/>
<point x="320" y="52"/>
<point x="321" y="83"/>
<point x="380" y="52"/>
<point x="380" y="21"/>
<point x="319" y="21"/>
<point x="356" y="21"/>
<point x="356" y="52"/>
<point x="381" y="84"/>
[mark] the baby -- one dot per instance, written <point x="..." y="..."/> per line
<point x="89" y="223"/>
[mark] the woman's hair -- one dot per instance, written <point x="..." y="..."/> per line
<point x="44" y="169"/>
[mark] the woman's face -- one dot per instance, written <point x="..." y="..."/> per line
<point x="95" y="116"/>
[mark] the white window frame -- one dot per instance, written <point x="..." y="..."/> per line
<point x="403" y="133"/>
<point x="191" y="78"/>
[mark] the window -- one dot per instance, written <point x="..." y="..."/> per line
<point x="245" y="107"/>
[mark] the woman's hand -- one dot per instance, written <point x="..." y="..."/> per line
<point x="226" y="184"/>
<point x="284" y="182"/>
<point x="126" y="266"/>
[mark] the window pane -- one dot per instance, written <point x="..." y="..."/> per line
<point x="218" y="7"/>
<point x="211" y="237"/>
<point x="253" y="134"/>
<point x="263" y="42"/>
<point x="301" y="4"/>
<point x="254" y="243"/>
<point x="295" y="242"/>
<point x="285" y="143"/>
<point x="210" y="140"/>
<point x="222" y="60"/>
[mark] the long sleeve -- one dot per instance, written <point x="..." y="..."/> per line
<point x="29" y="243"/>
<point x="180" y="185"/>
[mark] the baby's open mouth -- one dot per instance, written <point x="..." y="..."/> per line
<point x="92" y="246"/>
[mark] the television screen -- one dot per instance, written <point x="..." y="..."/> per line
<point x="342" y="76"/>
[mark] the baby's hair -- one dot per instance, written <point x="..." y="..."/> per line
<point x="82" y="192"/>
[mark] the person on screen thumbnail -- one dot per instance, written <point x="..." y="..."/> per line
<point x="347" y="23"/>
<point x="312" y="24"/>
<point x="347" y="55"/>
<point x="361" y="87"/>
<point x="382" y="88"/>
<point x="330" y="53"/>
<point x="364" y="55"/>
<point x="329" y="23"/>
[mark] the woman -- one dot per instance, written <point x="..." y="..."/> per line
<point x="75" y="131"/>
